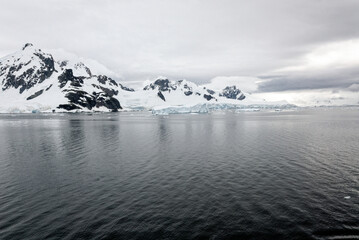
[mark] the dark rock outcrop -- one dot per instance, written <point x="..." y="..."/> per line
<point x="162" y="85"/>
<point x="27" y="45"/>
<point x="48" y="88"/>
<point x="68" y="76"/>
<point x="211" y="91"/>
<point x="126" y="88"/>
<point x="232" y="92"/>
<point x="68" y="107"/>
<point x="36" y="94"/>
<point x="208" y="97"/>
<point x="161" y="96"/>
<point x="81" y="99"/>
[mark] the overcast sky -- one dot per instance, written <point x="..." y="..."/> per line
<point x="281" y="45"/>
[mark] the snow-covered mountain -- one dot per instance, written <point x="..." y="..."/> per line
<point x="32" y="80"/>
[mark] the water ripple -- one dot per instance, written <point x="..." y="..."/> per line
<point x="220" y="176"/>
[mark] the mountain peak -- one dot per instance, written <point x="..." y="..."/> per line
<point x="27" y="45"/>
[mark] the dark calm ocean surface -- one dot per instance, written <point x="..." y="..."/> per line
<point x="259" y="175"/>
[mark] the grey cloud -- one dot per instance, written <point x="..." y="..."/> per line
<point x="197" y="40"/>
<point x="354" y="87"/>
<point x="329" y="78"/>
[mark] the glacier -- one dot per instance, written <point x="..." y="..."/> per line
<point x="198" y="108"/>
<point x="208" y="108"/>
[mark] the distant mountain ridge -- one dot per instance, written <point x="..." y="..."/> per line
<point x="32" y="80"/>
<point x="189" y="88"/>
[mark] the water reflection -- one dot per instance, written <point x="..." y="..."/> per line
<point x="162" y="130"/>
